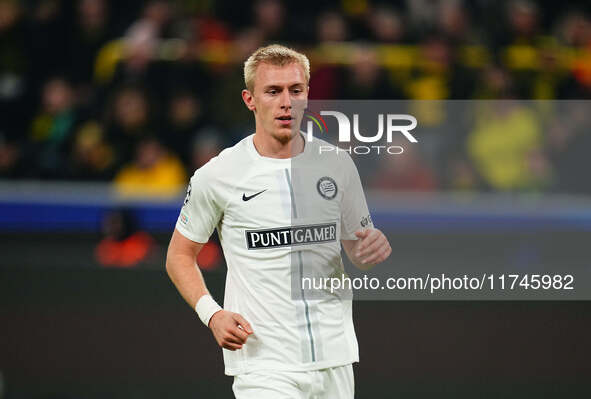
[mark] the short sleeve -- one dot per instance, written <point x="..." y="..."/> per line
<point x="201" y="212"/>
<point x="354" y="212"/>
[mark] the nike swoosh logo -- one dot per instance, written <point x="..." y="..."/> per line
<point x="245" y="198"/>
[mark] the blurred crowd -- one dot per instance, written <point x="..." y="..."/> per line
<point x="143" y="92"/>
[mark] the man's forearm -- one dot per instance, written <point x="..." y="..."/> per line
<point x="186" y="276"/>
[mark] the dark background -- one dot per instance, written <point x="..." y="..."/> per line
<point x="128" y="334"/>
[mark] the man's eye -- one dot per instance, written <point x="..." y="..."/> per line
<point x="273" y="92"/>
<point x="297" y="91"/>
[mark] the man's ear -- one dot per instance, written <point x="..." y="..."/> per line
<point x="248" y="100"/>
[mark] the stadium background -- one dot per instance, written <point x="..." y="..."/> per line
<point x="107" y="107"/>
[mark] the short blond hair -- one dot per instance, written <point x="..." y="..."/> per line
<point x="274" y="54"/>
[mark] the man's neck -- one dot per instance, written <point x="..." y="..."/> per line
<point x="270" y="147"/>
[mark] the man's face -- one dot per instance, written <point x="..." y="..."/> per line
<point x="278" y="100"/>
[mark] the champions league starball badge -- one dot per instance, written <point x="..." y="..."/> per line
<point x="327" y="187"/>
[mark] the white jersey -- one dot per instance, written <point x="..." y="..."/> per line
<point x="279" y="220"/>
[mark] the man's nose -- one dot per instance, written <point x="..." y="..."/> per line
<point x="285" y="100"/>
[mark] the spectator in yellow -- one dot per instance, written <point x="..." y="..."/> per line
<point x="154" y="172"/>
<point x="506" y="147"/>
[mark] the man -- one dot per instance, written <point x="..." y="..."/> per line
<point x="282" y="211"/>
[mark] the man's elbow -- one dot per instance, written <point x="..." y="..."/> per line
<point x="178" y="262"/>
<point x="169" y="267"/>
<point x="171" y="263"/>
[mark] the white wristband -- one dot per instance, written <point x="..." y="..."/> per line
<point x="206" y="307"/>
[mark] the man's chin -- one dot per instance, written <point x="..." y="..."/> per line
<point x="284" y="135"/>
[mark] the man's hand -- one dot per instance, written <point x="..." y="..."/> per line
<point x="229" y="329"/>
<point x="372" y="247"/>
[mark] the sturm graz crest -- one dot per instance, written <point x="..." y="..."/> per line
<point x="327" y="187"/>
<point x="188" y="194"/>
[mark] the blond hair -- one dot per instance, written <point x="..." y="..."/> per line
<point x="274" y="54"/>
